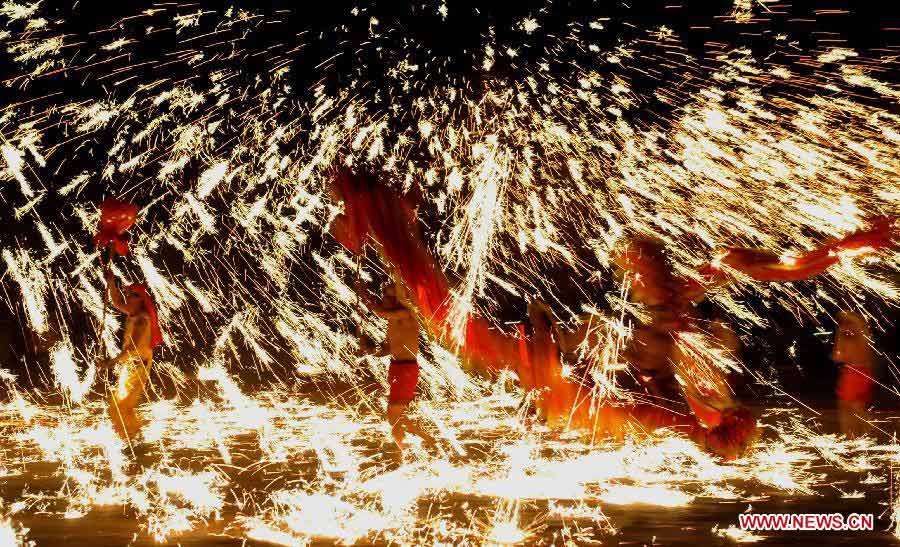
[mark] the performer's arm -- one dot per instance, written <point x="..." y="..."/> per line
<point x="115" y="295"/>
<point x="383" y="350"/>
<point x="378" y="309"/>
<point x="137" y="336"/>
<point x="398" y="313"/>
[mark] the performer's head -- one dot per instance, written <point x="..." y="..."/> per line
<point x="639" y="251"/>
<point x="393" y="293"/>
<point x="644" y="263"/>
<point x="851" y="340"/>
<point x="540" y="315"/>
<point x="135" y="299"/>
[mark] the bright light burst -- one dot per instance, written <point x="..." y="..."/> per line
<point x="545" y="162"/>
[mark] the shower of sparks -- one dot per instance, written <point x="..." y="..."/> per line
<point x="546" y="168"/>
<point x="336" y="487"/>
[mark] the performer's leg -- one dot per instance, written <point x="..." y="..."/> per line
<point x="396" y="416"/>
<point x="123" y="402"/>
<point x="403" y="376"/>
<point x="119" y="415"/>
<point x="650" y="353"/>
<point x="853" y="418"/>
<point x="854" y="392"/>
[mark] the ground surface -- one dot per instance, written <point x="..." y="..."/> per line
<point x="226" y="470"/>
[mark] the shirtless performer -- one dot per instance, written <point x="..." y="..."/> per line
<point x="853" y="352"/>
<point x="648" y="354"/>
<point x="135" y="359"/>
<point x="652" y="351"/>
<point x="402" y="345"/>
<point x="563" y="403"/>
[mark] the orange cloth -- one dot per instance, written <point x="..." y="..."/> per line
<point x="374" y="212"/>
<point x="768" y="266"/>
<point x="156" y="337"/>
<point x="124" y="397"/>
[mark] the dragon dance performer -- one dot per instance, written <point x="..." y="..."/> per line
<point x="402" y="345"/>
<point x="853" y="351"/>
<point x="142" y="333"/>
<point x="134" y="361"/>
<point x="662" y="348"/>
<point x="572" y="407"/>
<point x="373" y="213"/>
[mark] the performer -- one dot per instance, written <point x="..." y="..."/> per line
<point x="555" y="395"/>
<point x="141" y="336"/>
<point x="649" y="352"/>
<point x="402" y="345"/>
<point x="372" y="212"/>
<point x="656" y="351"/>
<point x="564" y="403"/>
<point x="853" y="352"/>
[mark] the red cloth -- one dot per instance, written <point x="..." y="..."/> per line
<point x="525" y="372"/>
<point x="117" y="244"/>
<point x="736" y="431"/>
<point x="767" y="266"/>
<point x="156" y="337"/>
<point x="708" y="416"/>
<point x="855" y="384"/>
<point x="116" y="217"/>
<point x="375" y="213"/>
<point x="403" y="377"/>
